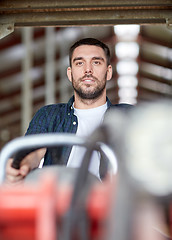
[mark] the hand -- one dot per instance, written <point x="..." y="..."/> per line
<point x="16" y="175"/>
<point x="30" y="162"/>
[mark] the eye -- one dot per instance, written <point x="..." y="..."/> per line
<point x="96" y="62"/>
<point x="79" y="63"/>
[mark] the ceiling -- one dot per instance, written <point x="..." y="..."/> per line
<point x="61" y="23"/>
<point x="80" y="12"/>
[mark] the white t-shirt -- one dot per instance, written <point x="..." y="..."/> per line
<point x="88" y="121"/>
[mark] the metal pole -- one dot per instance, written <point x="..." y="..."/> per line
<point x="65" y="85"/>
<point x="50" y="66"/>
<point x="26" y="99"/>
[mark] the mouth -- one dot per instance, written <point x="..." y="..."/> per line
<point x="88" y="82"/>
<point x="88" y="79"/>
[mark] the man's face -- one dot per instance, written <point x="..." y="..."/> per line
<point x="89" y="71"/>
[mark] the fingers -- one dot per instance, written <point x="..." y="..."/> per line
<point x="10" y="170"/>
<point x="24" y="170"/>
<point x="15" y="175"/>
<point x="13" y="179"/>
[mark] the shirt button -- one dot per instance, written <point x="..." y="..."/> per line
<point x="74" y="123"/>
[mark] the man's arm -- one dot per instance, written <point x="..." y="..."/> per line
<point x="30" y="162"/>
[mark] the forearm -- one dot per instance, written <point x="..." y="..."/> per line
<point x="33" y="159"/>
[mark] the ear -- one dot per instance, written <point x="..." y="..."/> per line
<point x="109" y="72"/>
<point x="69" y="74"/>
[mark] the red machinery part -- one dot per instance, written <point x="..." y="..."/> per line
<point x="35" y="211"/>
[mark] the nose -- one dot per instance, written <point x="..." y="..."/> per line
<point x="88" y="68"/>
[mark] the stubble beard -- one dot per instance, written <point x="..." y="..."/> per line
<point x="89" y="94"/>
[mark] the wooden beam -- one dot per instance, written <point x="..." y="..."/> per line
<point x="76" y="12"/>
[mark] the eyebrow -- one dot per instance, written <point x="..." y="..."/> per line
<point x="94" y="58"/>
<point x="98" y="58"/>
<point x="77" y="58"/>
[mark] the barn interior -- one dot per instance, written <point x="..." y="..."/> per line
<point x="36" y="36"/>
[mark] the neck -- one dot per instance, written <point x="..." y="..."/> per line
<point x="89" y="103"/>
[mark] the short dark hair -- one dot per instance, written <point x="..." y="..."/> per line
<point x="93" y="42"/>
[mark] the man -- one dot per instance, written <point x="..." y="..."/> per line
<point x="89" y="71"/>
